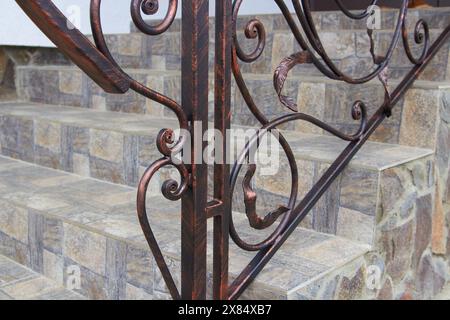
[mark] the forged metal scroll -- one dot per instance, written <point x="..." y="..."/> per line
<point x="312" y="52"/>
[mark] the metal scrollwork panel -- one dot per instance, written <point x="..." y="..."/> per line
<point x="312" y="52"/>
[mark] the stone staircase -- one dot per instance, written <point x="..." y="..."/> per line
<point x="72" y="157"/>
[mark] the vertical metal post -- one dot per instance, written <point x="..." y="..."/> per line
<point x="222" y="119"/>
<point x="195" y="41"/>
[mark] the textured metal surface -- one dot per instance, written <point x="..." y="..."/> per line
<point x="98" y="63"/>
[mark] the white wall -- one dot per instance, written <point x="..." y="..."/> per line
<point x="17" y="29"/>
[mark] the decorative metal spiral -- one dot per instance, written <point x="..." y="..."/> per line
<point x="254" y="29"/>
<point x="421" y="36"/>
<point x="151" y="7"/>
<point x="358" y="111"/>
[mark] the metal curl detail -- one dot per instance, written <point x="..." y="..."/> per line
<point x="358" y="112"/>
<point x="421" y="36"/>
<point x="151" y="7"/>
<point x="253" y="30"/>
<point x="328" y="67"/>
<point x="250" y="197"/>
<point x="173" y="191"/>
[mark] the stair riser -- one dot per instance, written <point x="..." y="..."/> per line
<point x="328" y="101"/>
<point x="350" y="51"/>
<point x="353" y="204"/>
<point x="335" y="20"/>
<point x="106" y="155"/>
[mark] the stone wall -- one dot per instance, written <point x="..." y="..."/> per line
<point x="404" y="263"/>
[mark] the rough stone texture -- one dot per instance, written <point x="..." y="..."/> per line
<point x="311" y="100"/>
<point x="86" y="248"/>
<point x="419" y="119"/>
<point x="71" y="83"/>
<point x="439" y="233"/>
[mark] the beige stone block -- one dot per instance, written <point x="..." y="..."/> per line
<point x="71" y="82"/>
<point x="85" y="247"/>
<point x="81" y="165"/>
<point x="48" y="135"/>
<point x="311" y="100"/>
<point x="14" y="221"/>
<point x="338" y="45"/>
<point x="152" y="107"/>
<point x="54" y="267"/>
<point x="106" y="145"/>
<point x="355" y="225"/>
<point x="98" y="103"/>
<point x="283" y="46"/>
<point x="131" y="45"/>
<point x="158" y="62"/>
<point x="439" y="233"/>
<point x="419" y="119"/>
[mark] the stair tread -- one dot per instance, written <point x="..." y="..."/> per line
<point x="374" y="155"/>
<point x="109" y="210"/>
<point x="20" y="283"/>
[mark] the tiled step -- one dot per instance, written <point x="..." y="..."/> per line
<point x="414" y="121"/>
<point x="52" y="221"/>
<point x="20" y="283"/>
<point x="118" y="148"/>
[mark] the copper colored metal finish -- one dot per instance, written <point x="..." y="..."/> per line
<point x="97" y="61"/>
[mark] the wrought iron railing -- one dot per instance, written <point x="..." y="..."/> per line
<point x="97" y="61"/>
